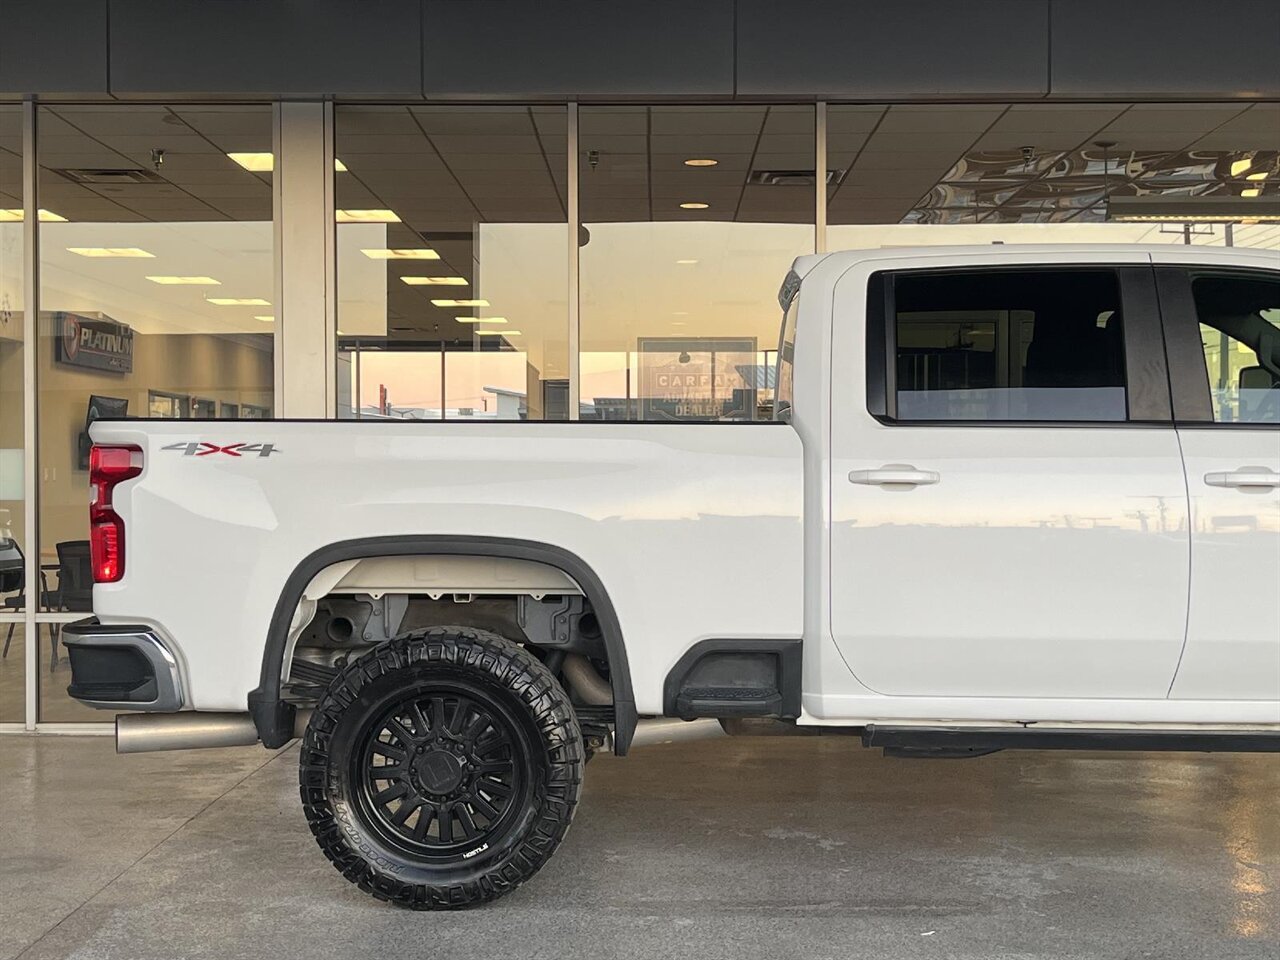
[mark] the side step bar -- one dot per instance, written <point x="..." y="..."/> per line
<point x="978" y="741"/>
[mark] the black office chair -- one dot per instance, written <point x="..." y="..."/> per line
<point x="74" y="591"/>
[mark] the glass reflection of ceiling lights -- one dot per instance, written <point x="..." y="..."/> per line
<point x="1020" y="186"/>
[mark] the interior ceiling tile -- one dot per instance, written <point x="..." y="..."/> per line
<point x="942" y="141"/>
<point x="450" y="145"/>
<point x="243" y="191"/>
<point x="914" y="118"/>
<point x="1257" y="128"/>
<point x="356" y="122"/>
<point x="385" y="144"/>
<point x="363" y="163"/>
<point x="710" y="145"/>
<point x="700" y="121"/>
<point x="1191" y="120"/>
<point x="787" y="143"/>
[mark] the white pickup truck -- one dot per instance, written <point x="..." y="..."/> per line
<point x="1009" y="497"/>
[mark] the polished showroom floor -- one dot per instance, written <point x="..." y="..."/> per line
<point x="769" y="848"/>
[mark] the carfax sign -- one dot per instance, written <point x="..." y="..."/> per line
<point x="95" y="343"/>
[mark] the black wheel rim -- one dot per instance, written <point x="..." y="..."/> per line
<point x="442" y="773"/>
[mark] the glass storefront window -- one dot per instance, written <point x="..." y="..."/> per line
<point x="156" y="286"/>
<point x="452" y="246"/>
<point x="13" y="540"/>
<point x="690" y="219"/>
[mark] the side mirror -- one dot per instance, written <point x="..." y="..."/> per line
<point x="1256" y="378"/>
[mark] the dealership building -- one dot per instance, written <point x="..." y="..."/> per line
<point x="517" y="210"/>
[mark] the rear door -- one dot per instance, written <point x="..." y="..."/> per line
<point x="1007" y="498"/>
<point x="1223" y="330"/>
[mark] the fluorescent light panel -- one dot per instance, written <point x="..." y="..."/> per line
<point x="266" y="319"/>
<point x="497" y="333"/>
<point x="694" y="205"/>
<point x="435" y="281"/>
<point x="266" y="162"/>
<point x="401" y="253"/>
<point x="189" y="281"/>
<point x="481" y="319"/>
<point x="460" y="303"/>
<point x="366" y="216"/>
<point x="238" y="302"/>
<point x="44" y="216"/>
<point x="110" y="252"/>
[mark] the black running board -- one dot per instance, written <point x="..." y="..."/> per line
<point x="941" y="742"/>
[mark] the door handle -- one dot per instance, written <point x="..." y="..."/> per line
<point x="894" y="473"/>
<point x="1255" y="477"/>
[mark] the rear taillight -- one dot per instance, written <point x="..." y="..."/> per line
<point x="108" y="466"/>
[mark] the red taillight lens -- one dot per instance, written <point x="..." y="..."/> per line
<point x="108" y="466"/>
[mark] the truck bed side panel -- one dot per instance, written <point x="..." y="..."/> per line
<point x="694" y="529"/>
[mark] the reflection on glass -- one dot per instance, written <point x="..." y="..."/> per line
<point x="156" y="284"/>
<point x="1240" y="334"/>
<point x="470" y="265"/>
<point x="1009" y="345"/>
<point x="927" y="174"/>
<point x="13" y="540"/>
<point x="680" y="261"/>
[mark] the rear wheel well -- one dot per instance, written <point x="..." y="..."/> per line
<point x="348" y="597"/>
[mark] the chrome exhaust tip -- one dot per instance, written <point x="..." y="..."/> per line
<point x="189" y="730"/>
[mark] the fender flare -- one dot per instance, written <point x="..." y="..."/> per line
<point x="274" y="717"/>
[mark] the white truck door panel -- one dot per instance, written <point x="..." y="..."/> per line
<point x="1222" y="326"/>
<point x="999" y="558"/>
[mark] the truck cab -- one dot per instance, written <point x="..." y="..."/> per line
<point x="1049" y="479"/>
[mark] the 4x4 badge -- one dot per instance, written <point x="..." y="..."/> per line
<point x="202" y="448"/>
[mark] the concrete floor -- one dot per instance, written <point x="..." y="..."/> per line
<point x="769" y="848"/>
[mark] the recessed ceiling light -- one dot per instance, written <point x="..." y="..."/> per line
<point x="270" y="319"/>
<point x="1251" y="192"/>
<point x="366" y="216"/>
<point x="238" y="302"/>
<point x="481" y="319"/>
<point x="194" y="281"/>
<point x="1240" y="166"/>
<point x="110" y="252"/>
<point x="1257" y="176"/>
<point x="401" y="253"/>
<point x="694" y="205"/>
<point x="686" y="262"/>
<point x="266" y="162"/>
<point x="435" y="281"/>
<point x="700" y="162"/>
<point x="497" y="333"/>
<point x="44" y="216"/>
<point x="460" y="303"/>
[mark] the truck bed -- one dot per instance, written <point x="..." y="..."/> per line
<point x="695" y="530"/>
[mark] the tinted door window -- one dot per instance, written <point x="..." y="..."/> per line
<point x="1240" y="334"/>
<point x="1038" y="345"/>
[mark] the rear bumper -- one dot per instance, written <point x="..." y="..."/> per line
<point x="121" y="667"/>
